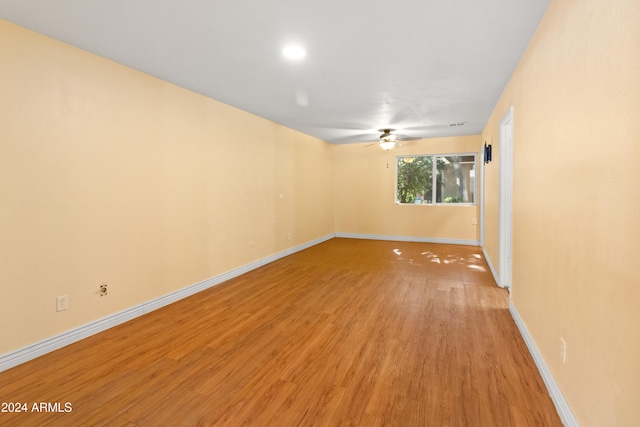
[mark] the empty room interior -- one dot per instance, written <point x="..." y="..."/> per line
<point x="198" y="230"/>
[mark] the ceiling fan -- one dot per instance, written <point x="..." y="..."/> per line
<point x="387" y="140"/>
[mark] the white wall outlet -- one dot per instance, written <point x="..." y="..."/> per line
<point x="62" y="303"/>
<point x="563" y="350"/>
<point x="288" y="236"/>
<point x="474" y="221"/>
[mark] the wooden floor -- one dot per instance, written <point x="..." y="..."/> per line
<point x="347" y="333"/>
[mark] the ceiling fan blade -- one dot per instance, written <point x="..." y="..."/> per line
<point x="408" y="138"/>
<point x="364" y="137"/>
<point x="425" y="127"/>
<point x="367" y="138"/>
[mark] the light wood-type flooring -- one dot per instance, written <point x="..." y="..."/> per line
<point x="346" y="333"/>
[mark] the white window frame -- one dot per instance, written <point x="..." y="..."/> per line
<point x="434" y="178"/>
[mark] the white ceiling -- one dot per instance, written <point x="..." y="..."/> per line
<point x="412" y="65"/>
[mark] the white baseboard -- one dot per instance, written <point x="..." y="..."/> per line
<point x="564" y="411"/>
<point x="408" y="239"/>
<point x="47" y="345"/>
<point x="491" y="267"/>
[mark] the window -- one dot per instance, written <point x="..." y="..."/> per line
<point x="436" y="179"/>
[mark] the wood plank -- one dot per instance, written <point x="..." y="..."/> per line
<point x="346" y="333"/>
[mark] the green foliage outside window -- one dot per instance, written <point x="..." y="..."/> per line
<point x="454" y="181"/>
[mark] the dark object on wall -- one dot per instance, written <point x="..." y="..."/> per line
<point x="487" y="153"/>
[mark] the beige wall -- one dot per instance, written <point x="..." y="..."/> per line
<point x="365" y="193"/>
<point x="110" y="175"/>
<point x="576" y="234"/>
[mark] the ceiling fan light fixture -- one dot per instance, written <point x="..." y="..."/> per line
<point x="387" y="145"/>
<point x="387" y="140"/>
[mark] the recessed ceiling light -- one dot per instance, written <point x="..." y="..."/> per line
<point x="294" y="52"/>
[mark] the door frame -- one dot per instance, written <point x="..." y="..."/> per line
<point x="506" y="199"/>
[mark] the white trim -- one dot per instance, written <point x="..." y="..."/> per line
<point x="491" y="267"/>
<point x="506" y="199"/>
<point x="408" y="239"/>
<point x="481" y="169"/>
<point x="562" y="406"/>
<point x="55" y="342"/>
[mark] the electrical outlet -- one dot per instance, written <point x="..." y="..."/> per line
<point x="103" y="290"/>
<point x="62" y="303"/>
<point x="474" y="221"/>
<point x="563" y="350"/>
